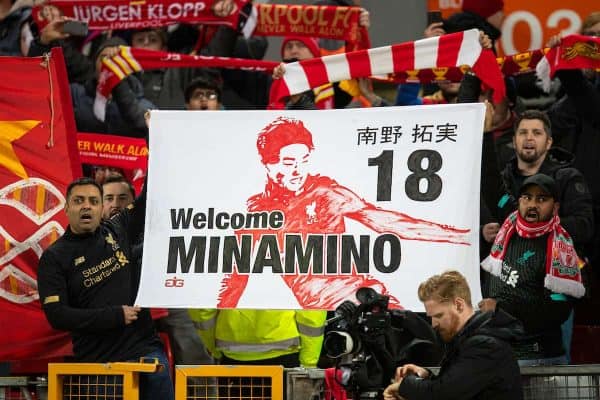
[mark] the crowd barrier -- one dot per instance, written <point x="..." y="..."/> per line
<point x="16" y="388"/>
<point x="88" y="381"/>
<point x="220" y="382"/>
<point x="568" y="382"/>
<point x="211" y="382"/>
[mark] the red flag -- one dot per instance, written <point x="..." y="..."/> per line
<point x="38" y="159"/>
<point x="574" y="52"/>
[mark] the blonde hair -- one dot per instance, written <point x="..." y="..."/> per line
<point x="445" y="287"/>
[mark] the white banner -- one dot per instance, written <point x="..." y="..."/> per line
<point x="298" y="209"/>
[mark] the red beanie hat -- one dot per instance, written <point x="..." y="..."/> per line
<point x="483" y="8"/>
<point x="309" y="42"/>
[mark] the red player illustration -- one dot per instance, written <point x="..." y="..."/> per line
<point x="316" y="204"/>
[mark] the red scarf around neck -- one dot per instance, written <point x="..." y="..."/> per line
<point x="562" y="262"/>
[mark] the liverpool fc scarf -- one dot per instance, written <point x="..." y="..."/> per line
<point x="574" y="52"/>
<point x="516" y="64"/>
<point x="130" y="60"/>
<point x="562" y="262"/>
<point x="126" y="14"/>
<point x="453" y="50"/>
<point x="329" y="22"/>
<point x="332" y="22"/>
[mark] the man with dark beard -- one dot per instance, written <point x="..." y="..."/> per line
<point x="532" y="142"/>
<point x="535" y="272"/>
<point x="118" y="193"/>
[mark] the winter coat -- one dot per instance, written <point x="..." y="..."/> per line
<point x="479" y="363"/>
<point x="10" y="28"/>
<point x="576" y="214"/>
<point x="124" y="112"/>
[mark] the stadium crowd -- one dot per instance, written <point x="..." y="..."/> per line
<point x="540" y="171"/>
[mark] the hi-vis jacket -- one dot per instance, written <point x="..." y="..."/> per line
<point x="248" y="335"/>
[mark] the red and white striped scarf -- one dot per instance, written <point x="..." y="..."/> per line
<point x="574" y="52"/>
<point x="131" y="60"/>
<point x="453" y="50"/>
<point x="562" y="263"/>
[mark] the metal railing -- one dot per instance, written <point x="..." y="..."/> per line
<point x="223" y="382"/>
<point x="567" y="382"/>
<point x="15" y="388"/>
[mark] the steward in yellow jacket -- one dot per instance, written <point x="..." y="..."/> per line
<point x="286" y="337"/>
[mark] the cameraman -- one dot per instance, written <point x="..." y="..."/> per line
<point x="479" y="362"/>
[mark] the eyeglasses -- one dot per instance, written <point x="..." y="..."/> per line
<point x="208" y="95"/>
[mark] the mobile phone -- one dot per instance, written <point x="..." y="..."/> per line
<point x="434" y="16"/>
<point x="75" y="28"/>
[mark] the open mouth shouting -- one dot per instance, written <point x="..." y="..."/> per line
<point x="532" y="215"/>
<point x="86" y="217"/>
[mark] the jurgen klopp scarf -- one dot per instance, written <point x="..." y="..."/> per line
<point x="574" y="52"/>
<point x="126" y="14"/>
<point x="562" y="263"/>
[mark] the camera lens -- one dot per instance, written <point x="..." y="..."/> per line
<point x="337" y="344"/>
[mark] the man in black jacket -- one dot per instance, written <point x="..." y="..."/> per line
<point x="87" y="286"/>
<point x="535" y="272"/>
<point x="479" y="362"/>
<point x="532" y="141"/>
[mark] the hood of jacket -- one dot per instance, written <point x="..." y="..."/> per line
<point x="498" y="324"/>
<point x="556" y="158"/>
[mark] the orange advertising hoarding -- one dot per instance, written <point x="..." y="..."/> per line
<point x="528" y="25"/>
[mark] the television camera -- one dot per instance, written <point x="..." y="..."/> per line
<point x="369" y="341"/>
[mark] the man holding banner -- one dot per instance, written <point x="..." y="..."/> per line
<point x="87" y="285"/>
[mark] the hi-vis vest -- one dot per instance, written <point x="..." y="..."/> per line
<point x="248" y="335"/>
